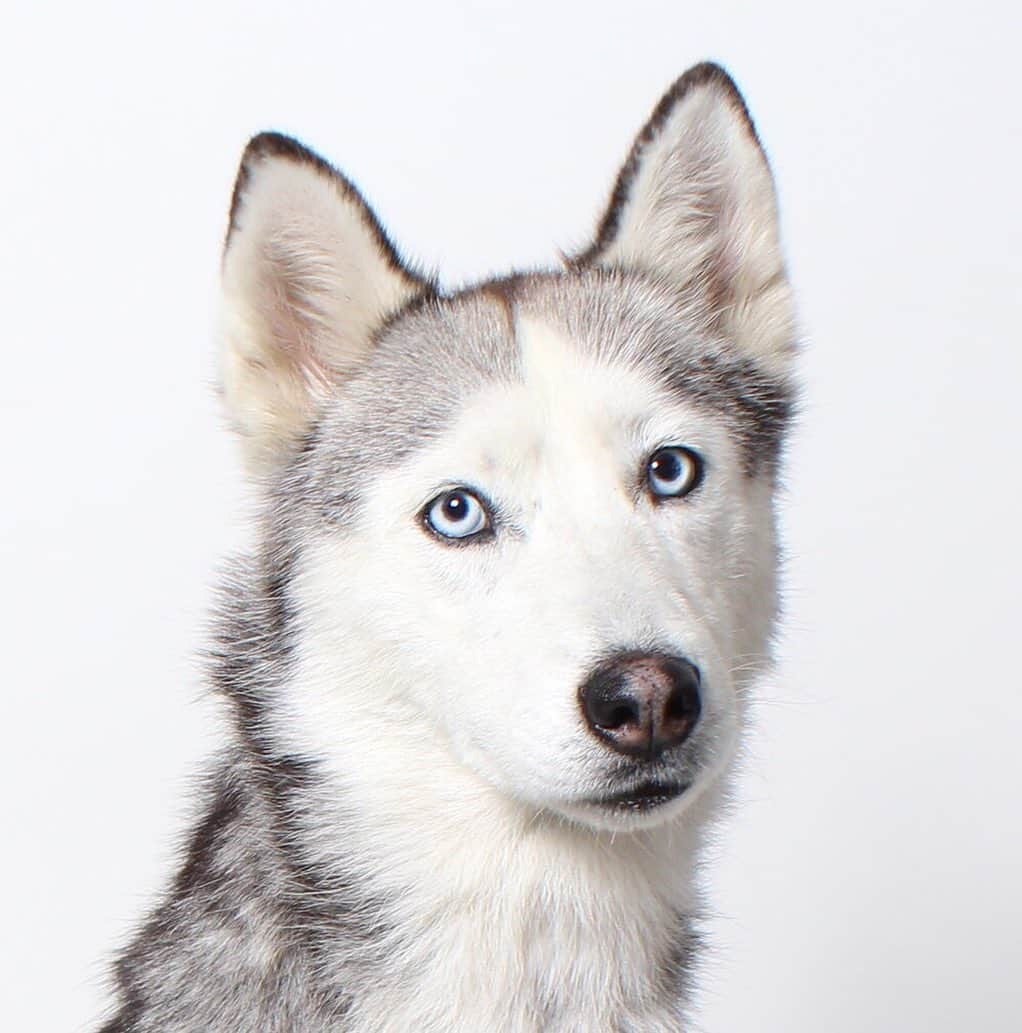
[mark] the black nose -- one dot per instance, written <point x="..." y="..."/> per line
<point x="642" y="703"/>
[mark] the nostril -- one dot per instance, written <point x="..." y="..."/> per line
<point x="681" y="702"/>
<point x="677" y="708"/>
<point x="682" y="706"/>
<point x="619" y="716"/>
<point x="609" y="706"/>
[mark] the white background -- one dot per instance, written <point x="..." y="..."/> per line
<point x="869" y="879"/>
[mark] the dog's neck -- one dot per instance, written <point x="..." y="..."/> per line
<point x="477" y="913"/>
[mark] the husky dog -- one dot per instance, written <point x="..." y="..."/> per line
<point x="514" y="581"/>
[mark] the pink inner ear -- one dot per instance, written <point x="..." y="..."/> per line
<point x="293" y="277"/>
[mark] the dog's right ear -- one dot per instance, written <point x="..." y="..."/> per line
<point x="309" y="276"/>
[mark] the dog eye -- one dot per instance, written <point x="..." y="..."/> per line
<point x="457" y="514"/>
<point x="673" y="471"/>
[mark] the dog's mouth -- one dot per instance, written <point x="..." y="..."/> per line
<point x="645" y="797"/>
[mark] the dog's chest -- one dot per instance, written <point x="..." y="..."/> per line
<point x="522" y="965"/>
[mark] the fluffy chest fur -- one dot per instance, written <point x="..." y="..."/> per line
<point x="495" y="922"/>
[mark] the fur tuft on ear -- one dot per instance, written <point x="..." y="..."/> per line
<point x="308" y="277"/>
<point x="694" y="205"/>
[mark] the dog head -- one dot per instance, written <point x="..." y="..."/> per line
<point x="527" y="527"/>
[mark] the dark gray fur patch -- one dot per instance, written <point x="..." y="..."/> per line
<point x="669" y="336"/>
<point x="674" y="976"/>
<point x="427" y="362"/>
<point x="758" y="407"/>
<point x="224" y="952"/>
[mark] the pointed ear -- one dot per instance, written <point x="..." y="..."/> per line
<point x="695" y="205"/>
<point x="308" y="277"/>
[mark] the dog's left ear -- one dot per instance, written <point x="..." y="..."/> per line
<point x="695" y="205"/>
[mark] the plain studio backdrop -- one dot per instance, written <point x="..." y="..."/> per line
<point x="869" y="878"/>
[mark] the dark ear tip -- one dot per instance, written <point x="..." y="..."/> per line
<point x="279" y="145"/>
<point x="271" y="145"/>
<point x="709" y="74"/>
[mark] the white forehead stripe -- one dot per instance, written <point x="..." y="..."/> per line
<point x="549" y="361"/>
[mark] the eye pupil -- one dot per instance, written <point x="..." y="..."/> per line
<point x="666" y="466"/>
<point x="455" y="506"/>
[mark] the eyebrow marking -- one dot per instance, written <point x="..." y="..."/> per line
<point x="757" y="406"/>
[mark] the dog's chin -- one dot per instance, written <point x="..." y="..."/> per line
<point x="642" y="806"/>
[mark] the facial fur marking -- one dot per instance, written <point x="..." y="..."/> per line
<point x="611" y="316"/>
<point x="758" y="405"/>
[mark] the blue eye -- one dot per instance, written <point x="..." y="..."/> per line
<point x="457" y="514"/>
<point x="673" y="471"/>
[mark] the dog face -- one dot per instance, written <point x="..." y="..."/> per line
<point x="527" y="528"/>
